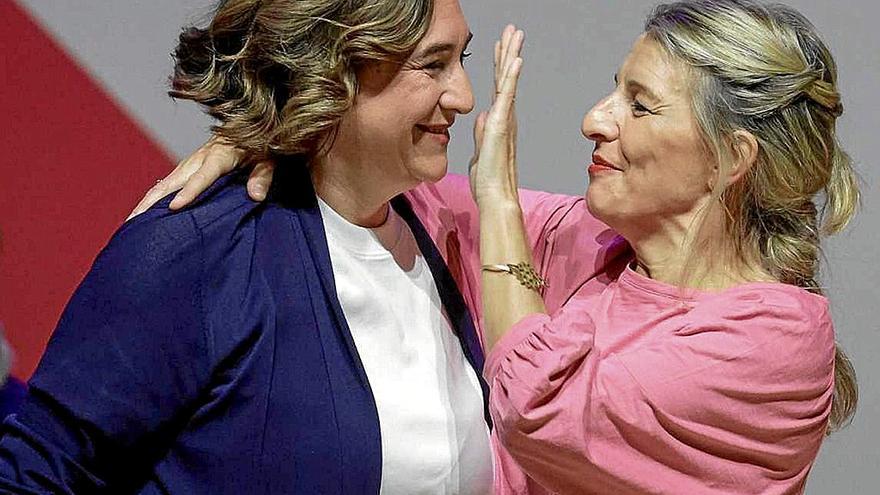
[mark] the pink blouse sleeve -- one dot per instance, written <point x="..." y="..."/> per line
<point x="735" y="402"/>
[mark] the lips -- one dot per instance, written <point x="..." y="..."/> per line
<point x="601" y="166"/>
<point x="435" y="129"/>
<point x="436" y="133"/>
<point x="603" y="163"/>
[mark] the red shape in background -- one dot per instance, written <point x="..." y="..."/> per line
<point x="73" y="166"/>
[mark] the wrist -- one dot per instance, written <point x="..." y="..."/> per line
<point x="499" y="203"/>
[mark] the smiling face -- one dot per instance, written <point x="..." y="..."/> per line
<point x="650" y="170"/>
<point x="399" y="123"/>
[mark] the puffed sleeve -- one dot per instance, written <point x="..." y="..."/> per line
<point x="127" y="360"/>
<point x="735" y="401"/>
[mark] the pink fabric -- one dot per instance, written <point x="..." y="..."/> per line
<point x="631" y="386"/>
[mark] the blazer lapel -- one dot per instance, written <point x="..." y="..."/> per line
<point x="301" y="197"/>
<point x="450" y="296"/>
<point x="355" y="411"/>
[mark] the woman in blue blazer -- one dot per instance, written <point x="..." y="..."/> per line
<point x="208" y="350"/>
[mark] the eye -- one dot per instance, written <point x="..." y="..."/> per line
<point x="435" y="66"/>
<point x="639" y="110"/>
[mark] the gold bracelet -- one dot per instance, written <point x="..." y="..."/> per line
<point x="524" y="273"/>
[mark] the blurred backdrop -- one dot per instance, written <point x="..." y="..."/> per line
<point x="87" y="128"/>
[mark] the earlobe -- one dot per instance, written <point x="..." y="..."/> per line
<point x="745" y="153"/>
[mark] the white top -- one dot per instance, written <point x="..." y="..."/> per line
<point x="434" y="436"/>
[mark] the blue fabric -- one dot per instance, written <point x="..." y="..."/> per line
<point x="12" y="394"/>
<point x="207" y="352"/>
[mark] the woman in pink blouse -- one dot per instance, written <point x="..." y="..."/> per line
<point x="680" y="342"/>
<point x="705" y="363"/>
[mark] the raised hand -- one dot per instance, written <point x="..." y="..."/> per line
<point x="493" y="166"/>
<point x="198" y="171"/>
<point x="504" y="247"/>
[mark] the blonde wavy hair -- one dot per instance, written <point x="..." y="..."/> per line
<point x="762" y="68"/>
<point x="279" y="74"/>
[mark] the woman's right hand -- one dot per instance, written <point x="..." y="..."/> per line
<point x="198" y="171"/>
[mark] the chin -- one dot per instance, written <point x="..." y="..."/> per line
<point x="597" y="205"/>
<point x="431" y="170"/>
<point x="607" y="209"/>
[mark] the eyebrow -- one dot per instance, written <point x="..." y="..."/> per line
<point x="638" y="87"/>
<point x="442" y="47"/>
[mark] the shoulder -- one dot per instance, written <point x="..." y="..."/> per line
<point x="144" y="304"/>
<point x="758" y="334"/>
<point x="224" y="203"/>
<point x="161" y="254"/>
<point x="738" y="351"/>
<point x="171" y="279"/>
<point x="768" y="311"/>
<point x="758" y="354"/>
<point x="222" y="222"/>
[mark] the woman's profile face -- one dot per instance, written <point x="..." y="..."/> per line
<point x="402" y="114"/>
<point x="649" y="165"/>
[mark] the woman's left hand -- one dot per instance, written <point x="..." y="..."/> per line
<point x="493" y="166"/>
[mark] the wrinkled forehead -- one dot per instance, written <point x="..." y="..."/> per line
<point x="448" y="24"/>
<point x="649" y="63"/>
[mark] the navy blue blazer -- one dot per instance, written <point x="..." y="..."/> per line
<point x="206" y="352"/>
<point x="12" y="394"/>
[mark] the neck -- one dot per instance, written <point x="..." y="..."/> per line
<point x="695" y="253"/>
<point x="353" y="190"/>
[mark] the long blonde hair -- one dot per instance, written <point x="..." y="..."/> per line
<point x="763" y="69"/>
<point x="279" y="74"/>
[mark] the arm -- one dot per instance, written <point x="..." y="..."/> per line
<point x="503" y="238"/>
<point x="567" y="246"/>
<point x="125" y="364"/>
<point x="736" y="401"/>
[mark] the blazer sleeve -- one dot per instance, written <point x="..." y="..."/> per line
<point x="122" y="369"/>
<point x="735" y="402"/>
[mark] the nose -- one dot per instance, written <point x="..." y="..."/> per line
<point x="459" y="94"/>
<point x="599" y="123"/>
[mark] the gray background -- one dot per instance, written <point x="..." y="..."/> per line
<point x="573" y="48"/>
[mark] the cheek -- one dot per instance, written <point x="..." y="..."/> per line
<point x="383" y="126"/>
<point x="664" y="155"/>
<point x="400" y="107"/>
<point x="692" y="169"/>
<point x="638" y="145"/>
<point x="417" y="97"/>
